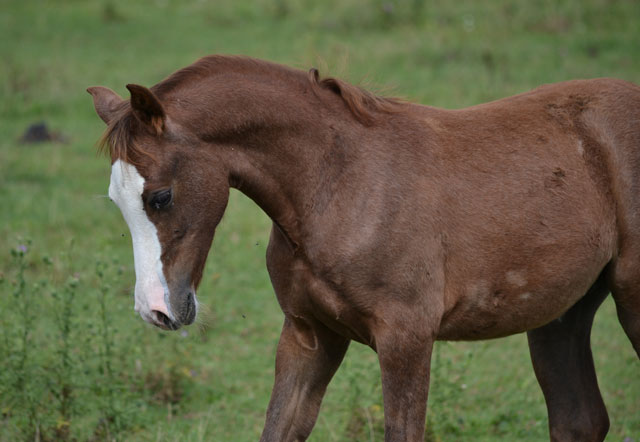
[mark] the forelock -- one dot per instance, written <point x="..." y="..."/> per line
<point x="121" y="138"/>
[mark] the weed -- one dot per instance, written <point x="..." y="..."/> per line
<point x="21" y="377"/>
<point x="62" y="386"/>
<point x="110" y="422"/>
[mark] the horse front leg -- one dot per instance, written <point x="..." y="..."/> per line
<point x="307" y="358"/>
<point x="405" y="359"/>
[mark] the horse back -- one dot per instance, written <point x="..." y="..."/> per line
<point x="542" y="187"/>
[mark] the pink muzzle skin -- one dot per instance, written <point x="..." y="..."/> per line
<point x="152" y="306"/>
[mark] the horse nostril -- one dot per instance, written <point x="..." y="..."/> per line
<point x="164" y="320"/>
<point x="190" y="309"/>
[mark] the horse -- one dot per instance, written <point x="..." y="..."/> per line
<point x="394" y="224"/>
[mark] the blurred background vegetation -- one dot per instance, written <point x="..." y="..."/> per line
<point x="75" y="361"/>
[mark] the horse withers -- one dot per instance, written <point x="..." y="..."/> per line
<point x="394" y="224"/>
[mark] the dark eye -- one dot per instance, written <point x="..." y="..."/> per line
<point x="161" y="199"/>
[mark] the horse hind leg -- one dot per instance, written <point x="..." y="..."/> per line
<point x="630" y="321"/>
<point x="563" y="364"/>
<point x="625" y="288"/>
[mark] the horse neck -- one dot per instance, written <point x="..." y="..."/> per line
<point x="285" y="176"/>
<point x="281" y="157"/>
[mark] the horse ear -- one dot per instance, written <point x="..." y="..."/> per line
<point x="147" y="108"/>
<point x="105" y="101"/>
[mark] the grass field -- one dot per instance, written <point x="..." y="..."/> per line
<point x="76" y="363"/>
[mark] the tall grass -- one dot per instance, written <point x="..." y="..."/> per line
<point x="47" y="382"/>
<point x="68" y="373"/>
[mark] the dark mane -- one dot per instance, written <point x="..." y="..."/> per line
<point x="119" y="137"/>
<point x="361" y="103"/>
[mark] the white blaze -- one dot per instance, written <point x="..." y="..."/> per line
<point x="151" y="292"/>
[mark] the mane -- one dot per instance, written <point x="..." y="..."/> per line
<point x="119" y="139"/>
<point x="363" y="104"/>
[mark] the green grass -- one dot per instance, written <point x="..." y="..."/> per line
<point x="129" y="381"/>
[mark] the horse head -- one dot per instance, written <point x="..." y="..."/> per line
<point x="171" y="192"/>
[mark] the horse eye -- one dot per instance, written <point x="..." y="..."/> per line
<point x="161" y="199"/>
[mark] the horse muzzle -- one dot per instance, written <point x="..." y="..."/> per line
<point x="184" y="313"/>
<point x="181" y="310"/>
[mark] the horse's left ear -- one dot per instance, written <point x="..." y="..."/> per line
<point x="147" y="108"/>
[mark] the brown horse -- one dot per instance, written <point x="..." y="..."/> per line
<point x="394" y="224"/>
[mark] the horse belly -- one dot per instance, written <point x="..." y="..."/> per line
<point x="496" y="314"/>
<point x="511" y="299"/>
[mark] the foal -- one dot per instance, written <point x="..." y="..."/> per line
<point x="394" y="224"/>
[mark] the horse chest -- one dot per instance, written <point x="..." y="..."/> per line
<point x="311" y="296"/>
